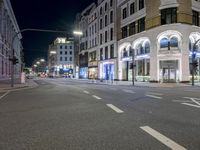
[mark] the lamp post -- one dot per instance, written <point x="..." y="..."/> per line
<point x="78" y="33"/>
<point x="133" y="68"/>
<point x="193" y="60"/>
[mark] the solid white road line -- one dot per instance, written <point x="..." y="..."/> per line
<point x="86" y="92"/>
<point x="197" y="106"/>
<point x="152" y="93"/>
<point x="4" y="94"/>
<point x="96" y="97"/>
<point x="115" y="108"/>
<point x="163" y="139"/>
<point x="128" y="91"/>
<point x="152" y="96"/>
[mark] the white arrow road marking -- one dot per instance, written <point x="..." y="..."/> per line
<point x="195" y="100"/>
<point x="4" y="94"/>
<point x="96" y="97"/>
<point x="163" y="139"/>
<point x="197" y="106"/>
<point x="153" y="96"/>
<point x="115" y="108"/>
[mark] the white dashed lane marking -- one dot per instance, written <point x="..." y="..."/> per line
<point x="2" y="96"/>
<point x="115" y="108"/>
<point x="153" y="93"/>
<point x="128" y="91"/>
<point x="163" y="139"/>
<point x="86" y="92"/>
<point x="96" y="97"/>
<point x="153" y="96"/>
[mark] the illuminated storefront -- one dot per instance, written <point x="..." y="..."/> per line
<point x="93" y="70"/>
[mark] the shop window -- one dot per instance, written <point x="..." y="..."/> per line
<point x="140" y="49"/>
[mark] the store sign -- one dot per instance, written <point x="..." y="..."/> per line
<point x="93" y="63"/>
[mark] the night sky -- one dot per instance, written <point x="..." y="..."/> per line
<point x="45" y="14"/>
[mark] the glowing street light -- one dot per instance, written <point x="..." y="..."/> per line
<point x="80" y="33"/>
<point x="42" y="60"/>
<point x="35" y="65"/>
<point x="52" y="52"/>
<point x="38" y="62"/>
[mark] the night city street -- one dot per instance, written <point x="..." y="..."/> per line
<point x="71" y="114"/>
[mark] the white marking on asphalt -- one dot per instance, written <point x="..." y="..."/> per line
<point x="182" y="101"/>
<point x="4" y="94"/>
<point x="128" y="91"/>
<point x="163" y="139"/>
<point x="96" y="97"/>
<point x="195" y="100"/>
<point x="153" y="96"/>
<point x="197" y="106"/>
<point x="115" y="108"/>
<point x="152" y="93"/>
<point x="86" y="92"/>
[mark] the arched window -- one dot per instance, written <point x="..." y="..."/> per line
<point x="130" y="51"/>
<point x="125" y="53"/>
<point x="173" y="42"/>
<point x="106" y="6"/>
<point x="139" y="49"/>
<point x="147" y="47"/>
<point x="101" y="11"/>
<point x="190" y="45"/>
<point x="164" y="43"/>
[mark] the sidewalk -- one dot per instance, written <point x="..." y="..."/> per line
<point x="6" y="84"/>
<point x="138" y="84"/>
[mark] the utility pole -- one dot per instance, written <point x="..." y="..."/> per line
<point x="193" y="60"/>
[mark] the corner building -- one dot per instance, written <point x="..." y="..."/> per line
<point x="161" y="34"/>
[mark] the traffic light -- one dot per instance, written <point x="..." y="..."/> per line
<point x="14" y="60"/>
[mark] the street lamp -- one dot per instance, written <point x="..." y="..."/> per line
<point x="193" y="60"/>
<point x="79" y="33"/>
<point x="42" y="60"/>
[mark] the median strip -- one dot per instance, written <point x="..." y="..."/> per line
<point x="163" y="139"/>
<point x="115" y="108"/>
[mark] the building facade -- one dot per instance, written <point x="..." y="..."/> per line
<point x="161" y="35"/>
<point x="61" y="58"/>
<point x="8" y="28"/>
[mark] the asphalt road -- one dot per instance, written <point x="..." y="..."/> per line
<point x="71" y="115"/>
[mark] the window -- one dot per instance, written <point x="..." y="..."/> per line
<point x="101" y="54"/>
<point x="106" y="52"/>
<point x="124" y="13"/>
<point x="60" y="46"/>
<point x="60" y="58"/>
<point x="65" y="58"/>
<point x="70" y="47"/>
<point x="65" y="46"/>
<point x="124" y="32"/>
<point x="70" y="52"/>
<point x="173" y="42"/>
<point x="101" y="23"/>
<point x="141" y="4"/>
<point x="106" y="20"/>
<point x="111" y="3"/>
<point x="125" y="53"/>
<point x="164" y="43"/>
<point x="168" y="16"/>
<point x="61" y="52"/>
<point x="195" y="18"/>
<point x="101" y="38"/>
<point x="70" y="58"/>
<point x="106" y="6"/>
<point x="111" y="34"/>
<point x="141" y="25"/>
<point x="101" y="11"/>
<point x="147" y="47"/>
<point x="132" y="29"/>
<point x="65" y="52"/>
<point x="132" y="8"/>
<point x="111" y="17"/>
<point x="112" y="54"/>
<point x="106" y="36"/>
<point x="95" y="28"/>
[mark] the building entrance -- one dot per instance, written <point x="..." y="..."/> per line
<point x="169" y="71"/>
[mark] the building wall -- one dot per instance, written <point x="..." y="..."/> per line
<point x="8" y="28"/>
